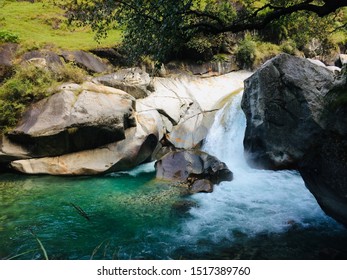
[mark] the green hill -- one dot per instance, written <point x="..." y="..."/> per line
<point x="41" y="23"/>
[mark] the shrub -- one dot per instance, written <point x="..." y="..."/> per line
<point x="246" y="53"/>
<point x="289" y="47"/>
<point x="69" y="72"/>
<point x="29" y="84"/>
<point x="8" y="37"/>
<point x="265" y="51"/>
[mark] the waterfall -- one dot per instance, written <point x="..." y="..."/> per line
<point x="256" y="201"/>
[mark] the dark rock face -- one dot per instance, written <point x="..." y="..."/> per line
<point x="297" y="118"/>
<point x="284" y="106"/>
<point x="197" y="169"/>
<point x="324" y="170"/>
<point x="111" y="54"/>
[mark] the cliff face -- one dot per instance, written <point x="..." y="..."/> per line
<point x="297" y="119"/>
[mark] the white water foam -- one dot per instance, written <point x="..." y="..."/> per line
<point x="256" y="201"/>
<point x="138" y="170"/>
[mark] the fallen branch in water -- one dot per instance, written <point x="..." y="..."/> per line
<point x="80" y="211"/>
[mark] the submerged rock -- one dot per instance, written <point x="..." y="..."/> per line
<point x="182" y="207"/>
<point x="197" y="169"/>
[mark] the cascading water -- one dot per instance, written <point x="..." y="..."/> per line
<point x="256" y="202"/>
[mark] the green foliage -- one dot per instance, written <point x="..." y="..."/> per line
<point x="246" y="52"/>
<point x="165" y="30"/>
<point x="288" y="46"/>
<point x="265" y="51"/>
<point x="30" y="84"/>
<point x="202" y="47"/>
<point x="161" y="29"/>
<point x="300" y="29"/>
<point x="220" y="57"/>
<point x="69" y="73"/>
<point x="8" y="37"/>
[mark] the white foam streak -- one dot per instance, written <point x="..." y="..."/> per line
<point x="138" y="170"/>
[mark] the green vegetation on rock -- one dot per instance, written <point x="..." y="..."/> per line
<point x="30" y="84"/>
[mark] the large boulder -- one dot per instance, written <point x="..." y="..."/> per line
<point x="86" y="60"/>
<point x="94" y="128"/>
<point x="197" y="169"/>
<point x="297" y="118"/>
<point x="136" y="148"/>
<point x="43" y="58"/>
<point x="324" y="166"/>
<point x="77" y="118"/>
<point x="285" y="107"/>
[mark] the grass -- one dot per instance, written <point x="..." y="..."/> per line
<point x="40" y="23"/>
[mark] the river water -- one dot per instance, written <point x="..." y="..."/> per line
<point x="130" y="215"/>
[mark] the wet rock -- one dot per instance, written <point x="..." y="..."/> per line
<point x="201" y="185"/>
<point x="324" y="170"/>
<point x="197" y="169"/>
<point x="182" y="207"/>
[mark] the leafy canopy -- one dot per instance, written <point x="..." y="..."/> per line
<point x="164" y="28"/>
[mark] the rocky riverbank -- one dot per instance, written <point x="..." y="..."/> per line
<point x="92" y="128"/>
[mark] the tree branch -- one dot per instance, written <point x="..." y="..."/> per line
<point x="255" y="22"/>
